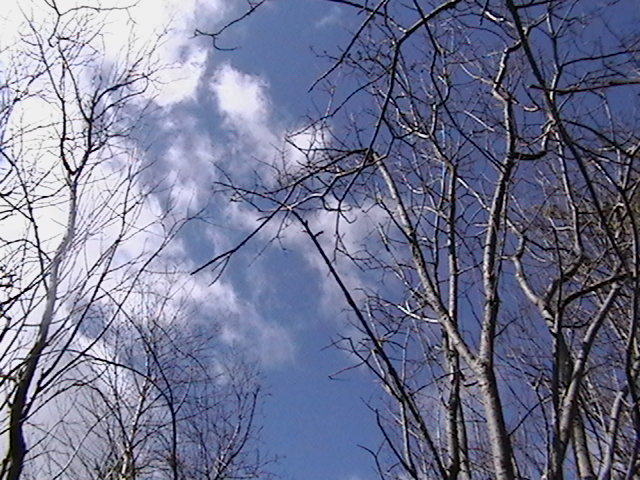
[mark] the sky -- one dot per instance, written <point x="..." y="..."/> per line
<point x="209" y="115"/>
<point x="259" y="92"/>
<point x="315" y="422"/>
<point x="226" y="110"/>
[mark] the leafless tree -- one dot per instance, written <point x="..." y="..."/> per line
<point x="61" y="136"/>
<point x="250" y="8"/>
<point x="489" y="150"/>
<point x="77" y="239"/>
<point x="161" y="399"/>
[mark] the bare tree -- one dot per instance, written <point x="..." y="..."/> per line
<point x="162" y="398"/>
<point x="489" y="150"/>
<point x="61" y="136"/>
<point x="77" y="239"/>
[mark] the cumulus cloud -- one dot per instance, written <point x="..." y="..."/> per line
<point x="241" y="98"/>
<point x="160" y="32"/>
<point x="119" y="216"/>
<point x="244" y="103"/>
<point x="125" y="236"/>
<point x="191" y="155"/>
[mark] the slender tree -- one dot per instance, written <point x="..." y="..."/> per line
<point x="161" y="398"/>
<point x="93" y="382"/>
<point x="489" y="152"/>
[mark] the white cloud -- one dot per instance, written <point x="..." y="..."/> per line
<point x="179" y="83"/>
<point x="301" y="149"/>
<point x="190" y="158"/>
<point x="161" y="32"/>
<point x="121" y="220"/>
<point x="242" y="99"/>
<point x="182" y="59"/>
<point x="331" y="18"/>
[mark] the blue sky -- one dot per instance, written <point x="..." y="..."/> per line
<point x="314" y="422"/>
<point x="230" y="111"/>
<point x="220" y="117"/>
